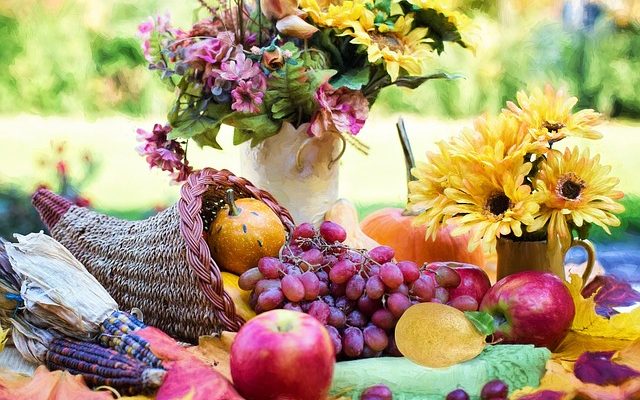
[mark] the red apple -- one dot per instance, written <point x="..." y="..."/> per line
<point x="474" y="281"/>
<point x="530" y="307"/>
<point x="282" y="354"/>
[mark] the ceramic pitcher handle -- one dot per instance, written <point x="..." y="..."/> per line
<point x="591" y="257"/>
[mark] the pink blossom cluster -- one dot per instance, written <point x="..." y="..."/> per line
<point x="227" y="72"/>
<point x="160" y="24"/>
<point x="161" y="152"/>
<point x="339" y="110"/>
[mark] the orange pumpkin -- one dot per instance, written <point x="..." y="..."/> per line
<point x="394" y="227"/>
<point x="243" y="232"/>
<point x="391" y="227"/>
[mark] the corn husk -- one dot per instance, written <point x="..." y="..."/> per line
<point x="30" y="341"/>
<point x="57" y="290"/>
<point x="9" y="285"/>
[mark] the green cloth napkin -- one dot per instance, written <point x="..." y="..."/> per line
<point x="516" y="365"/>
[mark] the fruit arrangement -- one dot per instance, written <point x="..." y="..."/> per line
<point x="359" y="295"/>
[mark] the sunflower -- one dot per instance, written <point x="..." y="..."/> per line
<point x="549" y="117"/>
<point x="500" y="142"/>
<point x="493" y="204"/>
<point x="340" y="14"/>
<point x="426" y="193"/>
<point x="575" y="188"/>
<point x="398" y="47"/>
<point x="463" y="24"/>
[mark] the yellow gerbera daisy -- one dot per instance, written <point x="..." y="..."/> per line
<point x="492" y="204"/>
<point x="426" y="193"/>
<point x="575" y="188"/>
<point x="340" y="14"/>
<point x="398" y="47"/>
<point x="549" y="115"/>
<point x="463" y="23"/>
<point x="497" y="142"/>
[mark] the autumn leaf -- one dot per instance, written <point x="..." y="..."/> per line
<point x="588" y="322"/>
<point x="48" y="385"/>
<point x="597" y="367"/>
<point x="575" y="344"/>
<point x="610" y="292"/>
<point x="545" y="395"/>
<point x="629" y="356"/>
<point x="3" y="337"/>
<point x="215" y="351"/>
<point x="556" y="379"/>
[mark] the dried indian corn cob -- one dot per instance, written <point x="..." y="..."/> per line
<point x="118" y="332"/>
<point x="100" y="366"/>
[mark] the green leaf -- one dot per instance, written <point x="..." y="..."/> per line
<point x="413" y="82"/>
<point x="201" y="126"/>
<point x="290" y="91"/>
<point x="240" y="136"/>
<point x="319" y="76"/>
<point x="440" y="28"/>
<point x="253" y="122"/>
<point x="209" y="137"/>
<point x="482" y="321"/>
<point x="354" y="79"/>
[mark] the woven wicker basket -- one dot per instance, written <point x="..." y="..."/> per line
<point x="158" y="264"/>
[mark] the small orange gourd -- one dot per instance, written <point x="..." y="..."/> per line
<point x="243" y="232"/>
<point x="394" y="227"/>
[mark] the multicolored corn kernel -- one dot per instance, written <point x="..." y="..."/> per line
<point x="118" y="332"/>
<point x="102" y="366"/>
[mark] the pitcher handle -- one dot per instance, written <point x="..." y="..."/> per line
<point x="591" y="257"/>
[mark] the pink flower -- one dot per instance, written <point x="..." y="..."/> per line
<point x="213" y="50"/>
<point x="168" y="155"/>
<point x="145" y="29"/>
<point x="163" y="22"/>
<point x="247" y="97"/>
<point x="240" y="68"/>
<point x="342" y="110"/>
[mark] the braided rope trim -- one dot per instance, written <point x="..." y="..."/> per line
<point x="191" y="227"/>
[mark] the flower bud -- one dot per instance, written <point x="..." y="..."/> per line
<point x="278" y="9"/>
<point x="272" y="59"/>
<point x="296" y="27"/>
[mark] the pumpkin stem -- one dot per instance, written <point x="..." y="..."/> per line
<point x="409" y="161"/>
<point x="229" y="198"/>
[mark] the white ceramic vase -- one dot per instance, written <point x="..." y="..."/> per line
<point x="300" y="171"/>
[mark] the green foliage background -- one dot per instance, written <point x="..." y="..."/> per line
<point x="82" y="56"/>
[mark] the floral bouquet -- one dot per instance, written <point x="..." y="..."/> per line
<point x="257" y="66"/>
<point x="504" y="178"/>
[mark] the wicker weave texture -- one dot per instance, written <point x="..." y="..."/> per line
<point x="161" y="265"/>
<point x="141" y="264"/>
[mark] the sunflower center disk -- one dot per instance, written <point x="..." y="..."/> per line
<point x="498" y="203"/>
<point x="553" y="126"/>
<point x="389" y="40"/>
<point x="570" y="188"/>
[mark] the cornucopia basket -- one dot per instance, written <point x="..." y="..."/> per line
<point x="161" y="265"/>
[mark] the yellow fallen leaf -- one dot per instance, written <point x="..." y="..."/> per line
<point x="215" y="351"/>
<point x="587" y="322"/>
<point x="575" y="344"/>
<point x="629" y="356"/>
<point x="3" y="337"/>
<point x="556" y="378"/>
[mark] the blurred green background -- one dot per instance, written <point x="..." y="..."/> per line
<point x="74" y="87"/>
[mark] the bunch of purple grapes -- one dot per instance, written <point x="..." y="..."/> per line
<point x="358" y="295"/>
